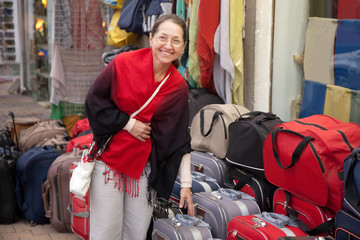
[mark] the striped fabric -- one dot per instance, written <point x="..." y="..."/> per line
<point x="332" y="100"/>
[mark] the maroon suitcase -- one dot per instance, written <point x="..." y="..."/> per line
<point x="55" y="190"/>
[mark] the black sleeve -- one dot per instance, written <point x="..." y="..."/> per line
<point x="105" y="118"/>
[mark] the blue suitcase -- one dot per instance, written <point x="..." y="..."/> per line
<point x="200" y="183"/>
<point x="347" y="226"/>
<point x="31" y="172"/>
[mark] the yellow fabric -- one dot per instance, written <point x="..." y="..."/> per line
<point x="337" y="102"/>
<point x="236" y="49"/>
<point x="118" y="37"/>
<point x="194" y="67"/>
<point x="70" y="121"/>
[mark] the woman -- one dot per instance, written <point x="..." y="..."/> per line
<point x="146" y="152"/>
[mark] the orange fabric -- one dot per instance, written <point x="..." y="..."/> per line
<point x="208" y="18"/>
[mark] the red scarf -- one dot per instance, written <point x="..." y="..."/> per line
<point x="132" y="85"/>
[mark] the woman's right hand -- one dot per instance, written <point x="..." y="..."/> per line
<point x="141" y="131"/>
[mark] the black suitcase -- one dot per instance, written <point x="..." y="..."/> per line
<point x="8" y="156"/>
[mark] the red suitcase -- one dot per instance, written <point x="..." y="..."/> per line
<point x="82" y="142"/>
<point x="79" y="209"/>
<point x="267" y="225"/>
<point x="307" y="212"/>
<point x="80" y="126"/>
<point x="305" y="157"/>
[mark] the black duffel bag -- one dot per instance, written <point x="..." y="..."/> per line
<point x="246" y="139"/>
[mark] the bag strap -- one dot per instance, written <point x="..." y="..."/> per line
<point x="324" y="227"/>
<point x="298" y="150"/>
<point x="101" y="150"/>
<point x="215" y="116"/>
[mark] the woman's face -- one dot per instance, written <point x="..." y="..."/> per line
<point x="167" y="43"/>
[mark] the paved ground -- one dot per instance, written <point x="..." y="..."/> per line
<point x="23" y="107"/>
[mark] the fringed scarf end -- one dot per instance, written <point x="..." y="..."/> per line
<point x="122" y="182"/>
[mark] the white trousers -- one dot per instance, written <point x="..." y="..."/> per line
<point x="113" y="213"/>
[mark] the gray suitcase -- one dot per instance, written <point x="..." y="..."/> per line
<point x="181" y="227"/>
<point x="208" y="164"/>
<point x="218" y="207"/>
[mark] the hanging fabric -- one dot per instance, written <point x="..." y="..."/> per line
<point x="194" y="67"/>
<point x="208" y="17"/>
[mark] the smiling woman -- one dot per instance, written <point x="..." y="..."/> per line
<point x="148" y="151"/>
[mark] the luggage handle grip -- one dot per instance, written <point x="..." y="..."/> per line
<point x="201" y="177"/>
<point x="234" y="194"/>
<point x="215" y="116"/>
<point x="190" y="221"/>
<point x="276" y="219"/>
<point x="298" y="150"/>
<point x="78" y="214"/>
<point x="45" y="193"/>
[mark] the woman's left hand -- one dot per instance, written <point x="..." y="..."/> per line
<point x="186" y="200"/>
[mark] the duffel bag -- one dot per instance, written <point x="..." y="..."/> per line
<point x="209" y="128"/>
<point x="305" y="157"/>
<point x="352" y="182"/>
<point x="246" y="138"/>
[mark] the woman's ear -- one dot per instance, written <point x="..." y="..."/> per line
<point x="150" y="40"/>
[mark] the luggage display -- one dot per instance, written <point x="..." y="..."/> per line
<point x="305" y="157"/>
<point x="318" y="220"/>
<point x="181" y="227"/>
<point x="209" y="127"/>
<point x="267" y="225"/>
<point x="31" y="171"/>
<point x="352" y="182"/>
<point x="9" y="154"/>
<point x="82" y="142"/>
<point x="246" y="138"/>
<point x="346" y="226"/>
<point x="208" y="164"/>
<point x="217" y="208"/>
<point x="55" y="190"/>
<point x="40" y="131"/>
<point x="200" y="183"/>
<point x="199" y="98"/>
<point x="258" y="188"/>
<point x="79" y="209"/>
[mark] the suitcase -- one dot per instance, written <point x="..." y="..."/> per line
<point x="55" y="190"/>
<point x="305" y="157"/>
<point x="307" y="238"/>
<point x="31" y="171"/>
<point x="9" y="154"/>
<point x="208" y="164"/>
<point x="246" y="138"/>
<point x="267" y="225"/>
<point x="82" y="142"/>
<point x="200" y="183"/>
<point x="218" y="207"/>
<point x="317" y="220"/>
<point x="258" y="188"/>
<point x="79" y="209"/>
<point x="347" y="226"/>
<point x="181" y="227"/>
